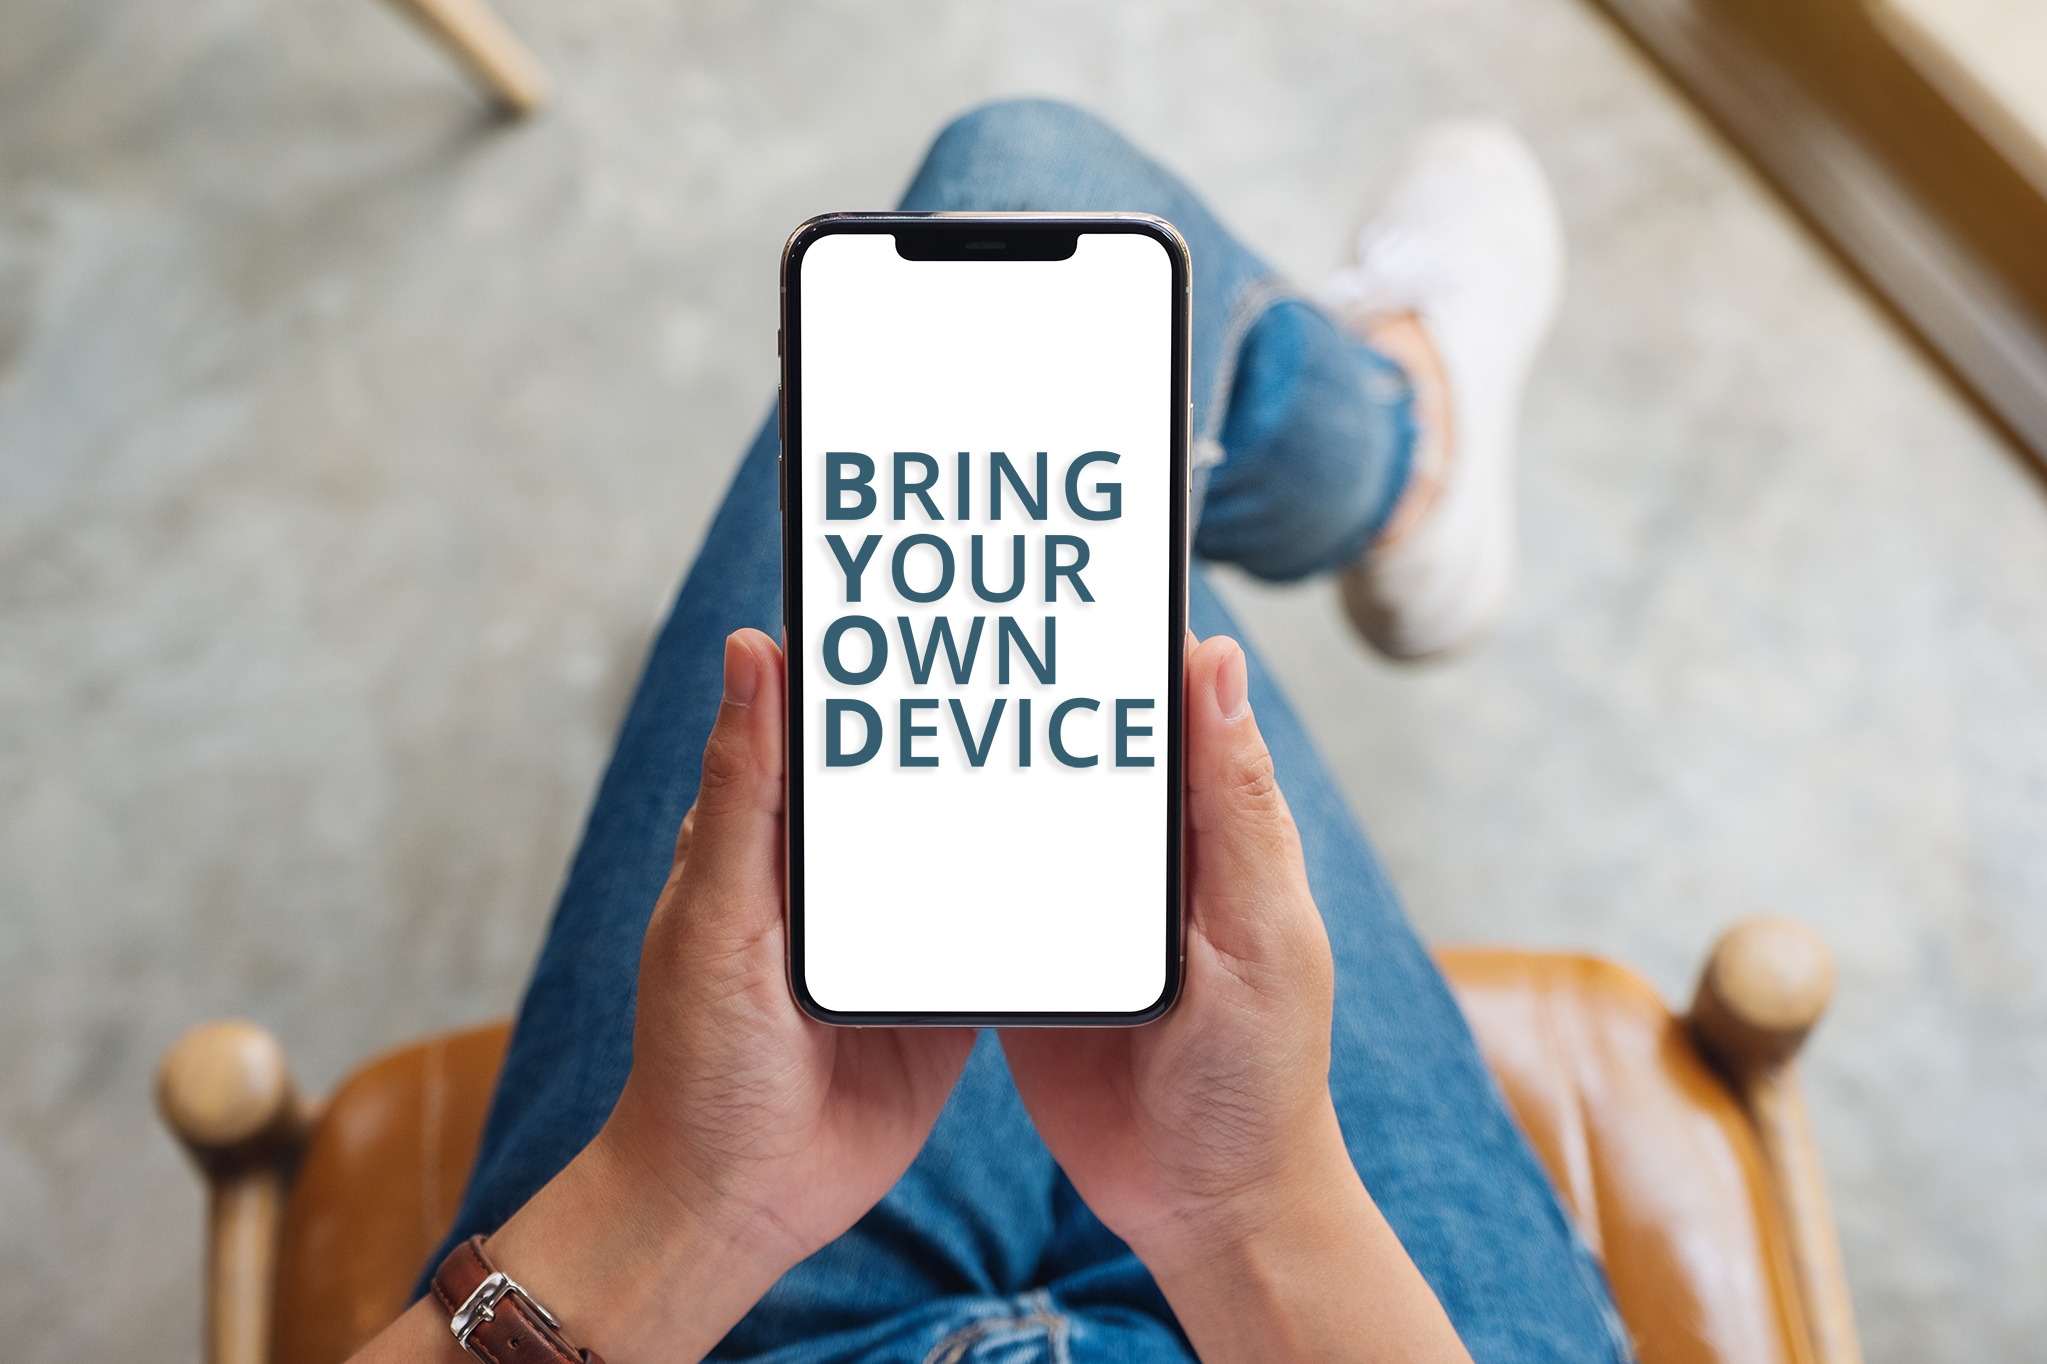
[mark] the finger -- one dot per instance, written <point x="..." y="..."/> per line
<point x="734" y="832"/>
<point x="1246" y="849"/>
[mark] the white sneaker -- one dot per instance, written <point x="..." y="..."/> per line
<point x="1466" y="236"/>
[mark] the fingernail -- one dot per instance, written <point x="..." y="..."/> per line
<point x="1233" y="686"/>
<point x="742" y="673"/>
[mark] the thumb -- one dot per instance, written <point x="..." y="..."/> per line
<point x="734" y="848"/>
<point x="1248" y="876"/>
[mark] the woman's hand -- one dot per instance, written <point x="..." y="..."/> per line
<point x="739" y="1106"/>
<point x="1208" y="1140"/>
<point x="1224" y="1095"/>
<point x="743" y="1119"/>
<point x="747" y="1135"/>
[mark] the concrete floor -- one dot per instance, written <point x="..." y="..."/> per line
<point x="350" y="444"/>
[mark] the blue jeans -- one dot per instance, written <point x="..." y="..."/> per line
<point x="983" y="1251"/>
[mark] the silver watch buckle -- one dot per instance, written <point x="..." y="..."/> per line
<point x="482" y="1307"/>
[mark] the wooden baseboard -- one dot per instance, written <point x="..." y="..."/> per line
<point x="1870" y="200"/>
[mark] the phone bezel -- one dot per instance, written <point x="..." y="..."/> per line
<point x="939" y="233"/>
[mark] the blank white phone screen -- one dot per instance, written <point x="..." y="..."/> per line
<point x="986" y="567"/>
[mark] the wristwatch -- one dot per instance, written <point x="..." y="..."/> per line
<point x="495" y="1319"/>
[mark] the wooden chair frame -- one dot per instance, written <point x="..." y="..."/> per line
<point x="471" y="32"/>
<point x="226" y="1091"/>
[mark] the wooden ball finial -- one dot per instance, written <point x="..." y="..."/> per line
<point x="225" y="1089"/>
<point x="1765" y="986"/>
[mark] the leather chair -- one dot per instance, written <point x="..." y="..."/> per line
<point x="1679" y="1145"/>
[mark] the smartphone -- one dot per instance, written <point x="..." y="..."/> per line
<point x="984" y="423"/>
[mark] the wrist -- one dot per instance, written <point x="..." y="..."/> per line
<point x="1301" y="1266"/>
<point x="1247" y="1275"/>
<point x="1315" y="1167"/>
<point x="1255" y="1228"/>
<point x="631" y="1268"/>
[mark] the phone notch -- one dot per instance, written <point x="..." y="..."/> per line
<point x="1004" y="241"/>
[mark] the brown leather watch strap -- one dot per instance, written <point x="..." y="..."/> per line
<point x="495" y="1319"/>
